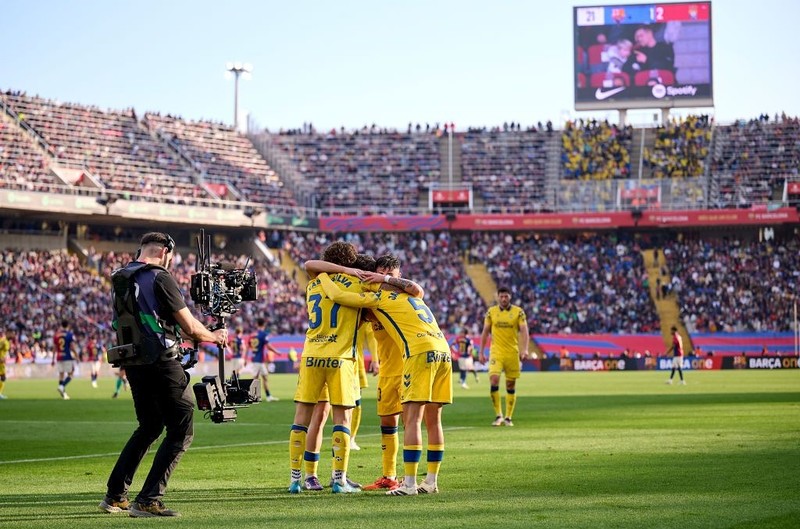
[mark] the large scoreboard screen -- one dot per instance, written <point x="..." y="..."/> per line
<point x="643" y="56"/>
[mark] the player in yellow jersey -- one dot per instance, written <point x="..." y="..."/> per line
<point x="390" y="374"/>
<point x="321" y="411"/>
<point x="427" y="371"/>
<point x="509" y="329"/>
<point x="5" y="346"/>
<point x="329" y="356"/>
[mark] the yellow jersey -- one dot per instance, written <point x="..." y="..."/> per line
<point x="409" y="322"/>
<point x="390" y="357"/>
<point x="505" y="326"/>
<point x="4" y="348"/>
<point x="332" y="328"/>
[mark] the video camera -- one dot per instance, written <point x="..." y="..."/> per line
<point x="218" y="289"/>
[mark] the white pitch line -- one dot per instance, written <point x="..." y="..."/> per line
<point x="193" y="449"/>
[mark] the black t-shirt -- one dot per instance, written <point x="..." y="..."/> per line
<point x="169" y="295"/>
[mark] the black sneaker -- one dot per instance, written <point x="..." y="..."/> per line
<point x="150" y="510"/>
<point x="112" y="506"/>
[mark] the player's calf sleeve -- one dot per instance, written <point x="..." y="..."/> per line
<point x="341" y="451"/>
<point x="411" y="456"/>
<point x="494" y="392"/>
<point x="297" y="445"/>
<point x="311" y="463"/>
<point x="119" y="384"/>
<point x="511" y="401"/>
<point x="389" y="447"/>
<point x="435" y="455"/>
<point x="66" y="381"/>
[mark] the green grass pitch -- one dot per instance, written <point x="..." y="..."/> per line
<point x="587" y="450"/>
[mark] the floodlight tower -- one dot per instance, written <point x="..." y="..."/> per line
<point x="237" y="69"/>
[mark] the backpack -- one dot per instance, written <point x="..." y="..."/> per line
<point x="137" y="343"/>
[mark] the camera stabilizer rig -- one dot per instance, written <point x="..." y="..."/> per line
<point x="218" y="289"/>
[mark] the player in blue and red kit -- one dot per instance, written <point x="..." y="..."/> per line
<point x="262" y="355"/>
<point x="64" y="357"/>
<point x="96" y="353"/>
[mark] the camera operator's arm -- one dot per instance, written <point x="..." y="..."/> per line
<point x="197" y="331"/>
<point x="315" y="266"/>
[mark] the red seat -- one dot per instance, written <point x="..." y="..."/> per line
<point x="643" y="78"/>
<point x="595" y="52"/>
<point x="581" y="80"/>
<point x="596" y="81"/>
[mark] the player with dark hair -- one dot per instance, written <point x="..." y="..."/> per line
<point x="329" y="362"/>
<point x="462" y="347"/>
<point x="64" y="357"/>
<point x="509" y="329"/>
<point x="677" y="355"/>
<point x="426" y="368"/>
<point x="262" y="352"/>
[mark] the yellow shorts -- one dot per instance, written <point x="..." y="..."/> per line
<point x="427" y="377"/>
<point x="324" y="395"/>
<point x="389" y="389"/>
<point x="338" y="374"/>
<point x="509" y="364"/>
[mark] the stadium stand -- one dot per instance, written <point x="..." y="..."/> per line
<point x="593" y="283"/>
<point x="223" y="157"/>
<point x="595" y="150"/>
<point x="507" y="168"/>
<point x="752" y="159"/>
<point x="731" y="285"/>
<point x="369" y="171"/>
<point x="111" y="145"/>
<point x="681" y="148"/>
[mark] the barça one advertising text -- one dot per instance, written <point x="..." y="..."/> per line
<point x="643" y="56"/>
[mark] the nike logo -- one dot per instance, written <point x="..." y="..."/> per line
<point x="600" y="95"/>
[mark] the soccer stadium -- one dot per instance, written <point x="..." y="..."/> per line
<point x="617" y="241"/>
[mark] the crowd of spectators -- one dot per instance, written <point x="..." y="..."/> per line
<point x="224" y="157"/>
<point x="20" y="161"/>
<point x="595" y="150"/>
<point x="434" y="260"/>
<point x="506" y="168"/>
<point x="681" y="148"/>
<point x="369" y="172"/>
<point x="752" y="159"/>
<point x="40" y="288"/>
<point x="588" y="283"/>
<point x="109" y="144"/>
<point x="731" y="285"/>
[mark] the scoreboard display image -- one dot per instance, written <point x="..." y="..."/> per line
<point x="643" y="56"/>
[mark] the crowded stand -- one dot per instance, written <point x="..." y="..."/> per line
<point x="111" y="145"/>
<point x="506" y="168"/>
<point x="20" y="161"/>
<point x="571" y="283"/>
<point x="595" y="150"/>
<point x="730" y="285"/>
<point x="434" y="260"/>
<point x="226" y="159"/>
<point x="369" y="170"/>
<point x="752" y="159"/>
<point x="40" y="288"/>
<point x="681" y="148"/>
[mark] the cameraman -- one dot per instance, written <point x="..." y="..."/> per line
<point x="159" y="385"/>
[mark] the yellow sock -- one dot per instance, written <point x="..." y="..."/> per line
<point x="341" y="451"/>
<point x="297" y="444"/>
<point x="355" y="420"/>
<point x="494" y="392"/>
<point x="2" y="385"/>
<point x="435" y="455"/>
<point x="389" y="447"/>
<point x="511" y="401"/>
<point x="311" y="463"/>
<point x="411" y="457"/>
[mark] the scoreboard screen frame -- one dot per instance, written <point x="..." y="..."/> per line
<point x="611" y="45"/>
